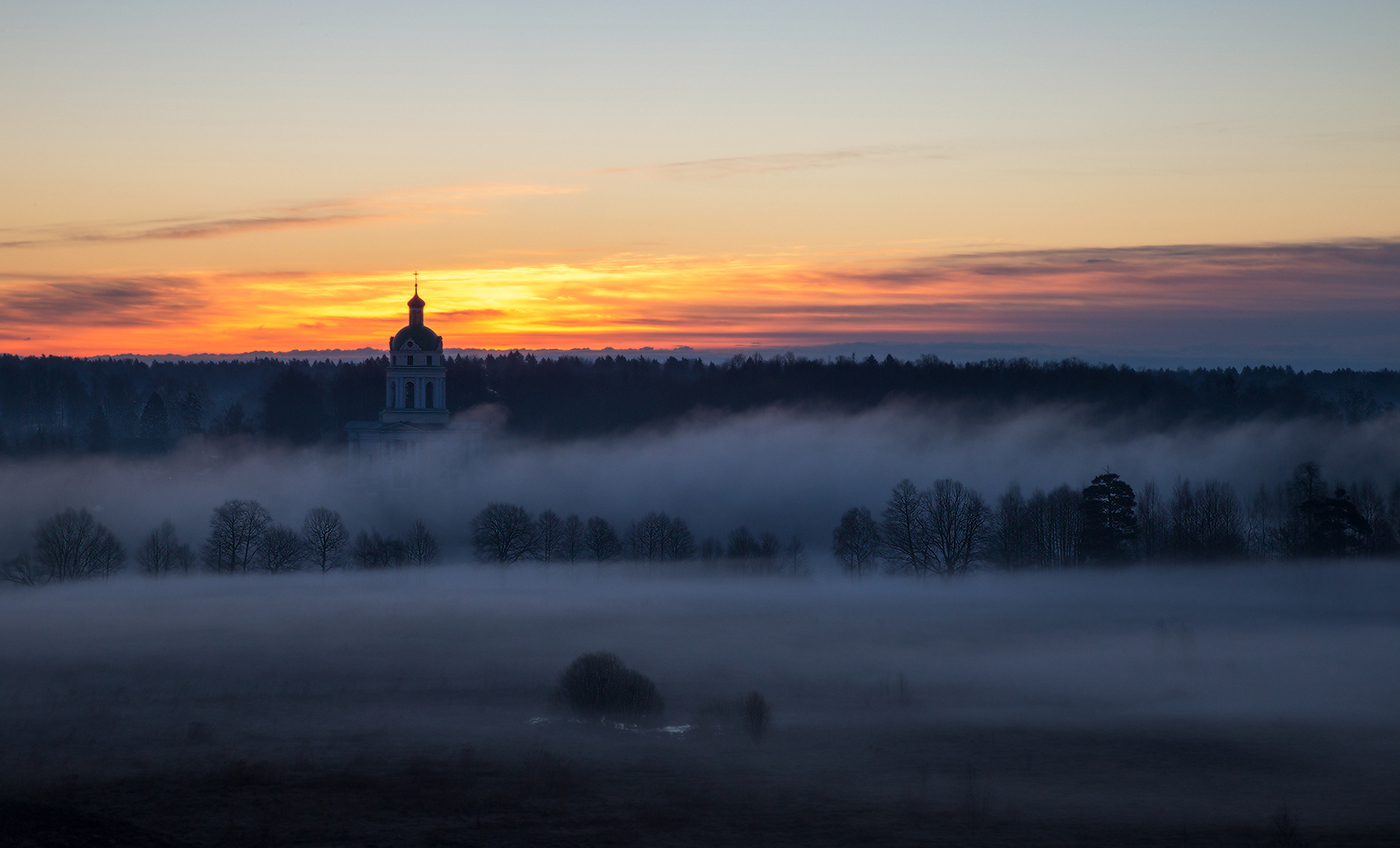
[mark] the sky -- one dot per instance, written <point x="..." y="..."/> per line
<point x="1184" y="182"/>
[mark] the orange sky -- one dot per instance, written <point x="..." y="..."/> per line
<point x="225" y="180"/>
<point x="1152" y="296"/>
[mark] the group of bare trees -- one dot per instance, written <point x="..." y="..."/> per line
<point x="243" y="538"/>
<point x="934" y="531"/>
<point x="69" y="546"/>
<point x="371" y="550"/>
<point x="763" y="554"/>
<point x="948" y="529"/>
<point x="507" y="533"/>
<point x="939" y="530"/>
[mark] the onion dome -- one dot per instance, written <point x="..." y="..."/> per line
<point x="416" y="336"/>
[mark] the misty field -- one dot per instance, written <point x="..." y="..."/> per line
<point x="1245" y="705"/>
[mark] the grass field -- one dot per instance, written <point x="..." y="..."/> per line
<point x="1237" y="706"/>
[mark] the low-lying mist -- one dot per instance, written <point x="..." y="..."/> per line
<point x="1213" y="695"/>
<point x="784" y="471"/>
<point x="1165" y="698"/>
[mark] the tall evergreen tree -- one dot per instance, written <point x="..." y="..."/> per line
<point x="1109" y="509"/>
<point x="155" y="423"/>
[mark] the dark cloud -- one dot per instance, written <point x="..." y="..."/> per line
<point x="51" y="300"/>
<point x="1370" y="253"/>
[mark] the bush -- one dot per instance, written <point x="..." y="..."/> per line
<point x="756" y="715"/>
<point x="751" y="714"/>
<point x="600" y="686"/>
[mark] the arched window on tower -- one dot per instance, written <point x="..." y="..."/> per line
<point x="391" y="404"/>
<point x="428" y="395"/>
<point x="407" y="395"/>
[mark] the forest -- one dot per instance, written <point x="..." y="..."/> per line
<point x="56" y="405"/>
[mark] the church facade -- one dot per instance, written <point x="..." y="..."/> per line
<point x="415" y="394"/>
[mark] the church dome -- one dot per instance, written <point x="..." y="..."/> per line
<point x="422" y="337"/>
<point x="416" y="332"/>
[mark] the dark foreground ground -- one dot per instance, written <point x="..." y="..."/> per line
<point x="968" y="787"/>
<point x="1244" y="707"/>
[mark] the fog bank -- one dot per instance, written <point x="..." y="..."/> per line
<point x="786" y="471"/>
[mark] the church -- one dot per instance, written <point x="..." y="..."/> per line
<point x="415" y="394"/>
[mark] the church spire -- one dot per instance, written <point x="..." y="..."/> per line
<point x="415" y="306"/>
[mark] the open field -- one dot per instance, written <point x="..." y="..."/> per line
<point x="1249" y="706"/>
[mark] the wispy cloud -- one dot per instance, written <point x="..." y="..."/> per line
<point x="43" y="302"/>
<point x="730" y="166"/>
<point x="397" y="205"/>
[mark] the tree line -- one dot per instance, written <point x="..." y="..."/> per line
<point x="949" y="528"/>
<point x="945" y="529"/>
<point x="507" y="533"/>
<point x="243" y="538"/>
<point x="62" y="404"/>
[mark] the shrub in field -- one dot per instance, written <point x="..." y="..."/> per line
<point x="756" y="715"/>
<point x="600" y="686"/>
<point x="749" y="714"/>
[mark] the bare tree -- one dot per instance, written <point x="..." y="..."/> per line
<point x="1206" y="521"/>
<point x="680" y="542"/>
<point x="1009" y="543"/>
<point x="162" y="553"/>
<point x="372" y="550"/>
<point x="1372" y="506"/>
<point x="856" y="541"/>
<point x="600" y="540"/>
<point x="711" y="549"/>
<point x="1054" y="523"/>
<point x="280" y="550"/>
<point x="420" y="547"/>
<point x="549" y="531"/>
<point x="235" y="529"/>
<point x="1220" y="520"/>
<point x="957" y="522"/>
<point x="905" y="532"/>
<point x="659" y="538"/>
<point x="742" y="544"/>
<point x="794" y="556"/>
<point x="74" y="546"/>
<point x="502" y="533"/>
<point x="23" y="570"/>
<point x="571" y="546"/>
<point x="325" y="537"/>
<point x="645" y="540"/>
<point x="1152" y="523"/>
<point x="1263" y="520"/>
<point x="770" y="548"/>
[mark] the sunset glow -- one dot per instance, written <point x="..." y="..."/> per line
<point x="178" y="196"/>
